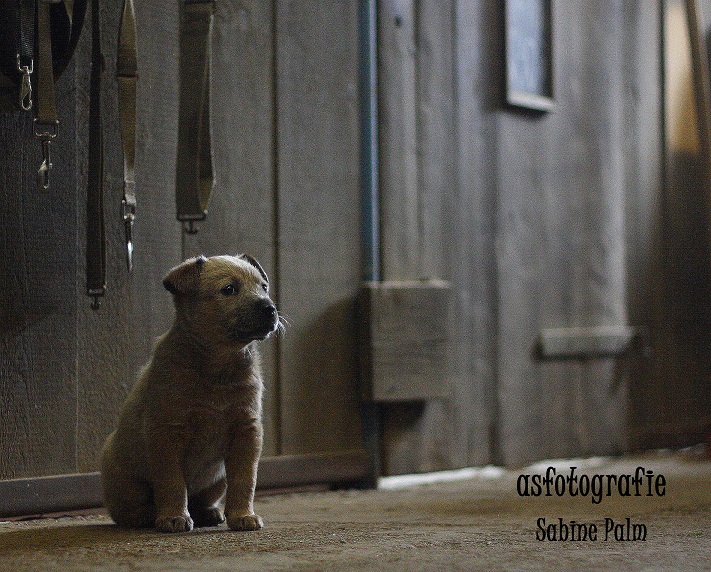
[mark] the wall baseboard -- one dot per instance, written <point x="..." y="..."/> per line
<point x="41" y="495"/>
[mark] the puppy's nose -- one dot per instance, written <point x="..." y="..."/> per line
<point x="268" y="309"/>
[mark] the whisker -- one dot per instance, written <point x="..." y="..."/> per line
<point x="282" y="323"/>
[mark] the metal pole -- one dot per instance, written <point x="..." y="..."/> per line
<point x="371" y="412"/>
<point x="369" y="165"/>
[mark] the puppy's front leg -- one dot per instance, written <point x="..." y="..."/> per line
<point x="241" y="466"/>
<point x="165" y="454"/>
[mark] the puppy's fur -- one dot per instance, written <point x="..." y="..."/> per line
<point x="191" y="428"/>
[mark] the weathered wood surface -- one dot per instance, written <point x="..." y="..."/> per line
<point x="402" y="213"/>
<point x="561" y="253"/>
<point x="472" y="238"/>
<point x="535" y="235"/>
<point x="670" y="265"/>
<point x="38" y="305"/>
<point x="67" y="369"/>
<point x="405" y="339"/>
<point x="318" y="233"/>
<point x="418" y="184"/>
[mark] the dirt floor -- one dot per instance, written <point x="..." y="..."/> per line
<point x="481" y="523"/>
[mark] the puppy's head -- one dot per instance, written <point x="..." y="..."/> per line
<point x="223" y="298"/>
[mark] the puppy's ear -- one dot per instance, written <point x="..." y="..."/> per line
<point x="184" y="278"/>
<point x="256" y="264"/>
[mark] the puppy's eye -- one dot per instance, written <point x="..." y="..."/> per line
<point x="229" y="290"/>
<point x="265" y="287"/>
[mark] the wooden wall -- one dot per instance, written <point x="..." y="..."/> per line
<point x="538" y="220"/>
<point x="284" y="127"/>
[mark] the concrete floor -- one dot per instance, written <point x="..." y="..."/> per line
<point x="476" y="524"/>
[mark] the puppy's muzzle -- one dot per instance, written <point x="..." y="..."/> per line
<point x="261" y="321"/>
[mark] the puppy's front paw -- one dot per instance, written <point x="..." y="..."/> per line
<point x="174" y="523"/>
<point x="244" y="522"/>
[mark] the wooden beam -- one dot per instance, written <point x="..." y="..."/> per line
<point x="41" y="495"/>
<point x="50" y="494"/>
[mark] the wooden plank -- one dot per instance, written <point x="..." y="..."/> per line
<point x="401" y="208"/>
<point x="342" y="467"/>
<point x="318" y="194"/>
<point x="436" y="126"/>
<point x="441" y="229"/>
<point x="561" y="253"/>
<point x="412" y="439"/>
<point x="405" y="340"/>
<point x="32" y="496"/>
<point x="643" y="199"/>
<point x="602" y="420"/>
<point x="241" y="213"/>
<point x="473" y="230"/>
<point x="38" y="307"/>
<point x="584" y="343"/>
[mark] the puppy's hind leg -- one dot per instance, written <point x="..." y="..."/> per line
<point x="130" y="504"/>
<point x="204" y="506"/>
<point x="128" y="499"/>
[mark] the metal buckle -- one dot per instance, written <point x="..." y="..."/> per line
<point x="46" y="130"/>
<point x="96" y="295"/>
<point x="188" y="222"/>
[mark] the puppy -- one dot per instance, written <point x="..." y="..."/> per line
<point x="190" y="433"/>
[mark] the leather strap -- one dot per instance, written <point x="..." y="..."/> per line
<point x="126" y="77"/>
<point x="46" y="124"/>
<point x="95" y="229"/>
<point x="26" y="50"/>
<point x="194" y="178"/>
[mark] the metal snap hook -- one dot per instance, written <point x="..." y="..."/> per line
<point x="26" y="84"/>
<point x="129" y="216"/>
<point x="45" y="167"/>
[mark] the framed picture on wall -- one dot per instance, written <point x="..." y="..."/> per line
<point x="529" y="54"/>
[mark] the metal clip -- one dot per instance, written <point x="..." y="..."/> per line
<point x="129" y="216"/>
<point x="45" y="167"/>
<point x="26" y="84"/>
<point x="45" y="132"/>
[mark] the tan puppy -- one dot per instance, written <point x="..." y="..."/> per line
<point x="191" y="428"/>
